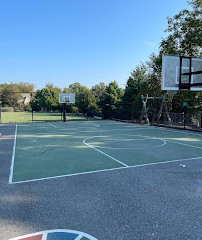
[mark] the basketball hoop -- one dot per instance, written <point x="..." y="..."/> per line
<point x="67" y="99"/>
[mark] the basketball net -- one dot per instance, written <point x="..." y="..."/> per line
<point x="67" y="100"/>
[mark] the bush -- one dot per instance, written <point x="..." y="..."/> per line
<point x="27" y="108"/>
<point x="74" y="109"/>
<point x="18" y="109"/>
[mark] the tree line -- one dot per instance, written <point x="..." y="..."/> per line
<point x="184" y="37"/>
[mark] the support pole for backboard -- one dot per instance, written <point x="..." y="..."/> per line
<point x="87" y="107"/>
<point x="32" y="107"/>
<point x="64" y="113"/>
<point x="32" y="115"/>
<point x="184" y="114"/>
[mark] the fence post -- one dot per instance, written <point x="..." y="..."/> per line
<point x="64" y="113"/>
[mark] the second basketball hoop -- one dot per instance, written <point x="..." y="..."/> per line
<point x="66" y="98"/>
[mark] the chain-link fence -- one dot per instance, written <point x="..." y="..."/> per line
<point x="131" y="112"/>
<point x="183" y="120"/>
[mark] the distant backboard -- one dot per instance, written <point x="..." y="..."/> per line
<point x="171" y="73"/>
<point x="66" y="97"/>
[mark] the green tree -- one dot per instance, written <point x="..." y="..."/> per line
<point x="185" y="32"/>
<point x="185" y="38"/>
<point x="11" y="95"/>
<point x="25" y="87"/>
<point x="49" y="85"/>
<point x="66" y="90"/>
<point x="47" y="99"/>
<point x="77" y="88"/>
<point x="22" y="87"/>
<point x="109" y="98"/>
<point x="98" y="90"/>
<point x="136" y="84"/>
<point x="113" y="93"/>
<point x="85" y="102"/>
<point x="154" y="66"/>
<point x="2" y="86"/>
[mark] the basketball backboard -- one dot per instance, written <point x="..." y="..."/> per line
<point x="66" y="97"/>
<point x="186" y="68"/>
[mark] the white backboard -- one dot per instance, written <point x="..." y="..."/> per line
<point x="66" y="97"/>
<point x="171" y="72"/>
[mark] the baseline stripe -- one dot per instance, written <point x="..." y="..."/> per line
<point x="106" y="170"/>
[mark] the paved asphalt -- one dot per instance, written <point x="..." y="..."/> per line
<point x="152" y="202"/>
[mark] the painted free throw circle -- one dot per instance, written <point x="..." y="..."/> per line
<point x="122" y="141"/>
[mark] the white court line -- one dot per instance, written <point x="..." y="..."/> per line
<point x="52" y="125"/>
<point x="94" y="130"/>
<point x="105" y="170"/>
<point x="66" y="175"/>
<point x="182" y="131"/>
<point x="126" y="148"/>
<point x="162" y="129"/>
<point x="183" y="144"/>
<point x="170" y="140"/>
<point x="174" y="142"/>
<point x="44" y="237"/>
<point x="104" y="153"/>
<point x="13" y="157"/>
<point x="88" y="125"/>
<point x="164" y="139"/>
<point x="45" y="233"/>
<point x="90" y="122"/>
<point x="155" y="128"/>
<point x="99" y="170"/>
<point x="79" y="237"/>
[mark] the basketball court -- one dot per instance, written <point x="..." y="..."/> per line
<point x="50" y="150"/>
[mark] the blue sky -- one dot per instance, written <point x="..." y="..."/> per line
<point x="86" y="41"/>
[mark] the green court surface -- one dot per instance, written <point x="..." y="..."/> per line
<point x="48" y="150"/>
<point x="23" y="117"/>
